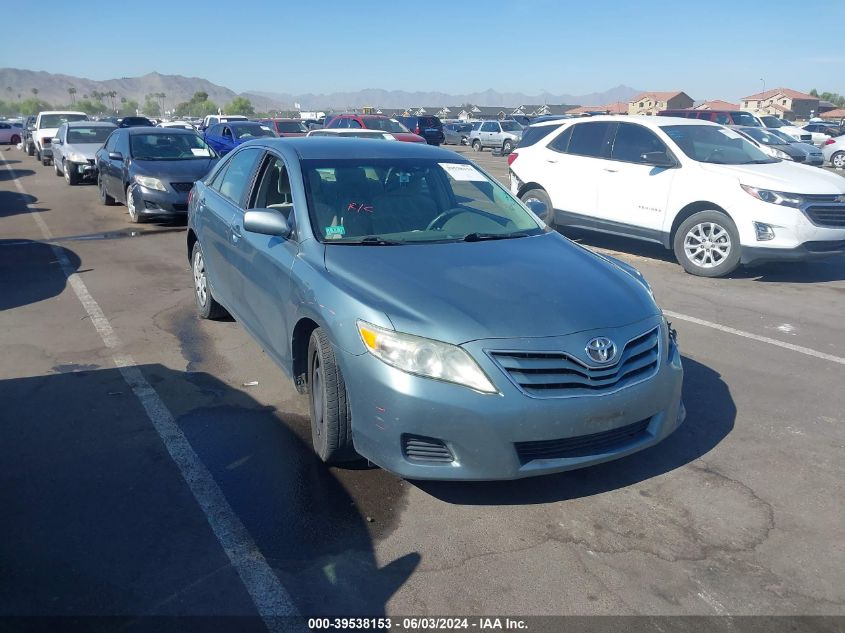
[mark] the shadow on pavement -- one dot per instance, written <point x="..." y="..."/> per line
<point x="98" y="520"/>
<point x="711" y="413"/>
<point x="30" y="272"/>
<point x="14" y="203"/>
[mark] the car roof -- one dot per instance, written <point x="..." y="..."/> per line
<point x="321" y="147"/>
<point x="647" y="121"/>
<point x="61" y="112"/>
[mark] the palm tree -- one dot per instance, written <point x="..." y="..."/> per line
<point x="72" y="92"/>
<point x="34" y="91"/>
<point x="112" y="96"/>
<point x="160" y="96"/>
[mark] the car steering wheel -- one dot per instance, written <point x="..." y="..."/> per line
<point x="715" y="153"/>
<point x="448" y="214"/>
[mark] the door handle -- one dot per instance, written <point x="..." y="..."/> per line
<point x="236" y="232"/>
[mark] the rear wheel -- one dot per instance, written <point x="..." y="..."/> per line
<point x="15" y="140"/>
<point x="838" y="160"/>
<point x="37" y="155"/>
<point x="476" y="145"/>
<point x="56" y="169"/>
<point x="30" y="150"/>
<point x="331" y="424"/>
<point x="207" y="306"/>
<point x="533" y="196"/>
<point x="507" y="147"/>
<point x="105" y="198"/>
<point x="707" y="244"/>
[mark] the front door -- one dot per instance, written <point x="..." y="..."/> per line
<point x="633" y="191"/>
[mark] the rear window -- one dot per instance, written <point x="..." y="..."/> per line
<point x="532" y="134"/>
<point x="590" y="139"/>
<point x="429" y="121"/>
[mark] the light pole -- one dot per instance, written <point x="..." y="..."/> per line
<point x="764" y="84"/>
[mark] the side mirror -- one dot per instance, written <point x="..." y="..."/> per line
<point x="538" y="207"/>
<point x="658" y="159"/>
<point x="56" y="140"/>
<point x="115" y="156"/>
<point x="266" y="222"/>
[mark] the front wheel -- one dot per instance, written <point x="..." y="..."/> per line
<point x="838" y="160"/>
<point x="56" y="169"/>
<point x="134" y="213"/>
<point x="331" y="423"/>
<point x="476" y="145"/>
<point x="707" y="244"/>
<point x="30" y="150"/>
<point x="71" y="175"/>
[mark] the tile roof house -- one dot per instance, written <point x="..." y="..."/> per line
<point x="834" y="115"/>
<point x="784" y="102"/>
<point x="650" y="103"/>
<point x="717" y="105"/>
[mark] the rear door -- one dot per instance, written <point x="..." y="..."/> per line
<point x="223" y="227"/>
<point x="631" y="191"/>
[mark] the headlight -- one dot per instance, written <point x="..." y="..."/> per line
<point x="774" y="197"/>
<point x="150" y="183"/>
<point x="75" y="157"/>
<point x="424" y="357"/>
<point x="782" y="155"/>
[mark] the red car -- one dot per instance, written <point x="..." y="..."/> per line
<point x="375" y="122"/>
<point x="286" y="127"/>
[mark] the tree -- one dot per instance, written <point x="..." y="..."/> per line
<point x="128" y="107"/>
<point x="33" y="106"/>
<point x="240" y="105"/>
<point x="72" y="92"/>
<point x="151" y="107"/>
<point x="199" y="105"/>
<point x="814" y="93"/>
<point x="91" y="107"/>
<point x="34" y="91"/>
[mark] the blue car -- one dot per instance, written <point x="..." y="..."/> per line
<point x="224" y="137"/>
<point x="439" y="328"/>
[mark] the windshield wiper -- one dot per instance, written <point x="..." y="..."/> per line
<point x="372" y="240"/>
<point x="480" y="237"/>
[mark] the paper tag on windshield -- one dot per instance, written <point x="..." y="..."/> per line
<point x="462" y="171"/>
<point x="730" y="134"/>
<point x="200" y="152"/>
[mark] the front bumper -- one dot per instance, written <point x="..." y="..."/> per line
<point x="152" y="202"/>
<point x="803" y="252"/>
<point x="482" y="431"/>
<point x="86" y="170"/>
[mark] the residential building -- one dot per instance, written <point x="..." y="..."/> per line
<point x="716" y="105"/>
<point x="782" y="102"/>
<point x="542" y="110"/>
<point x="834" y="115"/>
<point x="619" y="107"/>
<point x="650" y="103"/>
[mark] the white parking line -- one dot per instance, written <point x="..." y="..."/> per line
<point x="756" y="337"/>
<point x="271" y="599"/>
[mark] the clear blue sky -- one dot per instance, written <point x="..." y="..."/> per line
<point x="709" y="49"/>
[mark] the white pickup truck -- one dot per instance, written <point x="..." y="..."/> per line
<point x="46" y="125"/>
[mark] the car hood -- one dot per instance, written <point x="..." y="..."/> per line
<point x="458" y="292"/>
<point x="783" y="176"/>
<point x="175" y="170"/>
<point x="88" y="150"/>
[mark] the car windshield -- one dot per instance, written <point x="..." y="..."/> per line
<point x="55" y="120"/>
<point x="168" y="147"/>
<point x="400" y="201"/>
<point x="783" y="136"/>
<point x="745" y="118"/>
<point x="291" y="127"/>
<point x="97" y="134"/>
<point x="385" y="125"/>
<point x="715" y="144"/>
<point x="772" y="121"/>
<point x="511" y="126"/>
<point x="763" y="136"/>
<point x="252" y="131"/>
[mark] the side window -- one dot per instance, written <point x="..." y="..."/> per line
<point x="723" y="119"/>
<point x="352" y="123"/>
<point x="632" y="141"/>
<point x="238" y="174"/>
<point x="534" y="134"/>
<point x="273" y="190"/>
<point x="123" y="144"/>
<point x="591" y="139"/>
<point x="561" y="143"/>
<point x="227" y="133"/>
<point x="5" y="126"/>
<point x="489" y="127"/>
<point x="110" y="142"/>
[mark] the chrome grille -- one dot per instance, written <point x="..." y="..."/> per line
<point x="558" y="374"/>
<point x="583" y="445"/>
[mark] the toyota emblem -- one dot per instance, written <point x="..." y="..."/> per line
<point x="601" y="350"/>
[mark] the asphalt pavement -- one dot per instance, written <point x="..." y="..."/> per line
<point x="155" y="464"/>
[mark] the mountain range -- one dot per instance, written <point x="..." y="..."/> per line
<point x="53" y="88"/>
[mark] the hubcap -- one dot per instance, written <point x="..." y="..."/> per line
<point x="707" y="245"/>
<point x="200" y="280"/>
<point x="67" y="173"/>
<point x="130" y="203"/>
<point x="317" y="395"/>
<point x="839" y="160"/>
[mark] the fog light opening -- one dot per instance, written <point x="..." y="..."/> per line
<point x="764" y="232"/>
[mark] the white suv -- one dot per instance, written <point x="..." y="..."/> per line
<point x="696" y="187"/>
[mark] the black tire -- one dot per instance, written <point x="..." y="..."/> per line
<point x="45" y="161"/>
<point x="30" y="149"/>
<point x="207" y="306"/>
<point x="542" y="196"/>
<point x="15" y="139"/>
<point x="712" y="257"/>
<point x="37" y="155"/>
<point x="105" y="198"/>
<point x="331" y="423"/>
<point x="71" y="175"/>
<point x="464" y="140"/>
<point x="476" y="146"/>
<point x="507" y="147"/>
<point x="838" y="160"/>
<point x="56" y="169"/>
<point x="135" y="216"/>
